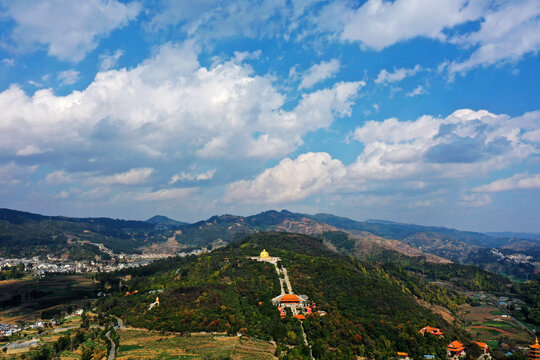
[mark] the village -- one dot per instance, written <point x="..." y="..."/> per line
<point x="39" y="266"/>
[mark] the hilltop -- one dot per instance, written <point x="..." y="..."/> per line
<point x="226" y="291"/>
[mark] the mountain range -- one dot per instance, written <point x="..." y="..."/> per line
<point x="23" y="234"/>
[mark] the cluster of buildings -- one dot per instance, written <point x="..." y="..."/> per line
<point x="9" y="329"/>
<point x="456" y="349"/>
<point x="299" y="305"/>
<point x="514" y="258"/>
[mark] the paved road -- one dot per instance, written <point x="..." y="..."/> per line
<point x="119" y="325"/>
<point x="286" y="276"/>
<point x="112" y="353"/>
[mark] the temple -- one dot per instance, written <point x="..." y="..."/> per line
<point x="290" y="300"/>
<point x="264" y="256"/>
<point x="482" y="346"/>
<point x="456" y="349"/>
<point x="431" y="330"/>
<point x="534" y="351"/>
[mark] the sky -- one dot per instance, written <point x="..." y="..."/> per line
<point x="416" y="111"/>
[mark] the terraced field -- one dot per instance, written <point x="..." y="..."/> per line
<point x="139" y="344"/>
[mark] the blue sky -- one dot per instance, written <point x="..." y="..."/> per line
<point x="406" y="110"/>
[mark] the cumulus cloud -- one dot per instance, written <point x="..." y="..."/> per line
<point x="463" y="144"/>
<point x="185" y="176"/>
<point x="58" y="177"/>
<point x="397" y="75"/>
<point x="11" y="173"/>
<point x="218" y="19"/>
<point x="406" y="156"/>
<point x="68" y="29"/>
<point x="475" y="200"/>
<point x="108" y="61"/>
<point x="168" y="111"/>
<point x="419" y="90"/>
<point x="518" y="181"/>
<point x="378" y="24"/>
<point x="506" y="34"/>
<point x="131" y="177"/>
<point x="164" y="194"/>
<point x="319" y="72"/>
<point x="29" y="150"/>
<point x="68" y="77"/>
<point x="289" y="181"/>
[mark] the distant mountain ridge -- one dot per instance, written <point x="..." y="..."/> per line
<point x="25" y="231"/>
<point x="164" y="220"/>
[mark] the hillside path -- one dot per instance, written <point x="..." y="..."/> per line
<point x="112" y="353"/>
<point x="285" y="279"/>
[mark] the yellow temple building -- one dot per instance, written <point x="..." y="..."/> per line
<point x="265" y="256"/>
<point x="534" y="352"/>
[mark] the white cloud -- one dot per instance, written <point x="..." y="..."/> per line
<point x="11" y="173"/>
<point x="69" y="29"/>
<point x="405" y="156"/>
<point x="419" y="90"/>
<point x="398" y="74"/>
<point x="475" y="200"/>
<point x="29" y="150"/>
<point x="466" y="143"/>
<point x="185" y="176"/>
<point x="506" y="34"/>
<point x="518" y="181"/>
<point x="165" y="194"/>
<point x="169" y="107"/>
<point x="8" y="62"/>
<point x="289" y="181"/>
<point x="68" y="77"/>
<point x="218" y="19"/>
<point x="131" y="177"/>
<point x="378" y="24"/>
<point x="58" y="177"/>
<point x="108" y="61"/>
<point x="319" y="72"/>
<point x="62" y="195"/>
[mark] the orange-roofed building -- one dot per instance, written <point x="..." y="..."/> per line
<point x="534" y="351"/>
<point x="482" y="345"/>
<point x="290" y="298"/>
<point x="431" y="330"/>
<point x="300" y="317"/>
<point x="402" y="355"/>
<point x="456" y="348"/>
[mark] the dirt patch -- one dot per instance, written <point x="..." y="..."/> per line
<point x="438" y="309"/>
<point x="492" y="328"/>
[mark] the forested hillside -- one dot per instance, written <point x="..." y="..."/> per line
<point x="371" y="311"/>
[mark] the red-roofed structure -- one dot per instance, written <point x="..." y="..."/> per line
<point x="482" y="345"/>
<point x="431" y="330"/>
<point x="300" y="317"/>
<point x="534" y="351"/>
<point x="290" y="298"/>
<point x="455" y="348"/>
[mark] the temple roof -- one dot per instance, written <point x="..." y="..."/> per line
<point x="455" y="344"/>
<point x="290" y="298"/>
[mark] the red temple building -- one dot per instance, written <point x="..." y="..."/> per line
<point x="455" y="348"/>
<point x="534" y="351"/>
